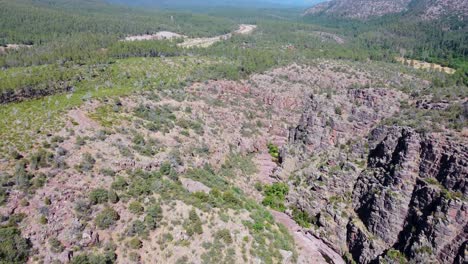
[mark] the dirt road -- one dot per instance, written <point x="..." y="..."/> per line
<point x="193" y="42"/>
<point x="206" y="42"/>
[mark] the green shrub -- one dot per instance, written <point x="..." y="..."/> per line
<point x="55" y="245"/>
<point x="139" y="187"/>
<point x="302" y="218"/>
<point x="119" y="184"/>
<point x="194" y="224"/>
<point x="137" y="227"/>
<point x="43" y="220"/>
<point x="275" y="195"/>
<point x="106" y="218"/>
<point x="98" y="196"/>
<point x="40" y="159"/>
<point x="135" y="207"/>
<point x="258" y="186"/>
<point x="274" y="151"/>
<point x="224" y="235"/>
<point x="107" y="172"/>
<point x="113" y="197"/>
<point x="165" y="168"/>
<point x="396" y="255"/>
<point x="135" y="243"/>
<point x="230" y="199"/>
<point x="13" y="247"/>
<point x="153" y="216"/>
<point x="338" y="110"/>
<point x="108" y="258"/>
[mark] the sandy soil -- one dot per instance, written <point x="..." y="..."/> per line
<point x="206" y="42"/>
<point x="417" y="64"/>
<point x="158" y="36"/>
<point x="193" y="42"/>
<point x="13" y="47"/>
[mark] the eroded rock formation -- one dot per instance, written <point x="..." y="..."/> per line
<point x="377" y="192"/>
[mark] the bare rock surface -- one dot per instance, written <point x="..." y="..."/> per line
<point x="194" y="186"/>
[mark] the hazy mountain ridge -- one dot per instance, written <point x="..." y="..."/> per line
<point x="236" y="3"/>
<point x="363" y="9"/>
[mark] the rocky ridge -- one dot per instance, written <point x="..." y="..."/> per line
<point x="377" y="193"/>
<point x="365" y="9"/>
<point x="361" y="9"/>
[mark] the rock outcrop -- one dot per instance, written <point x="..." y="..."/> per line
<point x="379" y="194"/>
<point x="411" y="196"/>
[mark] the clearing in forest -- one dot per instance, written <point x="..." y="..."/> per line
<point x="417" y="64"/>
<point x="193" y="42"/>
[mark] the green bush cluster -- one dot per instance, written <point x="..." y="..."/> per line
<point x="274" y="151"/>
<point x="136" y="207"/>
<point x="303" y="218"/>
<point x="275" y="195"/>
<point x="154" y="215"/>
<point x="135" y="243"/>
<point x="224" y="235"/>
<point x="55" y="245"/>
<point x="193" y="225"/>
<point x="160" y="118"/>
<point x="106" y="218"/>
<point x="13" y="247"/>
<point x="98" y="196"/>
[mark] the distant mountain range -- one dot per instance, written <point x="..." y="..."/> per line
<point x="363" y="9"/>
<point x="236" y="3"/>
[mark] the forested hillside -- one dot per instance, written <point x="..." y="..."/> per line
<point x="406" y="31"/>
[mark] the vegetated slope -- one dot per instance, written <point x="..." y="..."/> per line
<point x="408" y="28"/>
<point x="364" y="9"/>
<point x="177" y="173"/>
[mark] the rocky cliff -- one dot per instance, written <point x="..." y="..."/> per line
<point x="412" y="197"/>
<point x="378" y="193"/>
